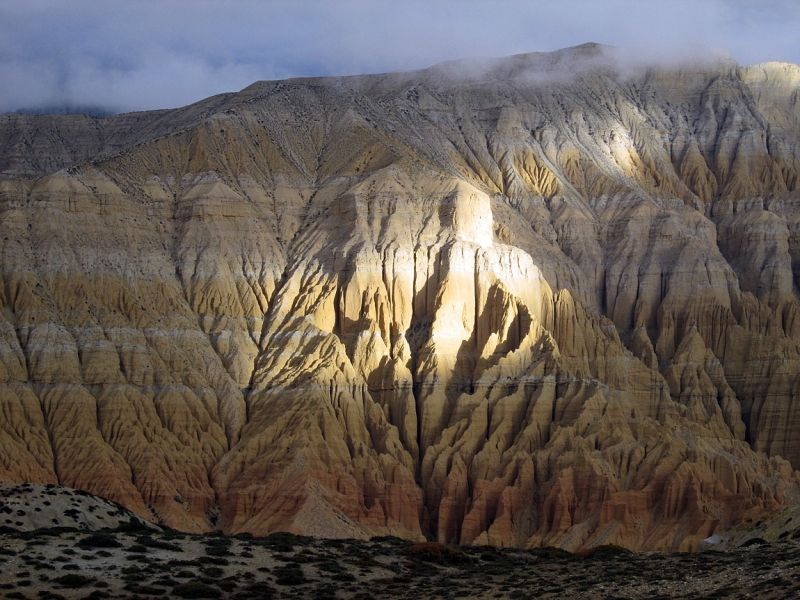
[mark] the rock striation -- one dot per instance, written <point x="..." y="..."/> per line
<point x="539" y="300"/>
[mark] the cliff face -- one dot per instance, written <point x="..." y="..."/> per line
<point x="524" y="302"/>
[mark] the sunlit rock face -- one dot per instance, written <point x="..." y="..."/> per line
<point x="521" y="302"/>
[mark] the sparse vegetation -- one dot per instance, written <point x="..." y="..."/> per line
<point x="145" y="564"/>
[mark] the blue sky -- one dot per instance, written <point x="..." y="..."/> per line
<point x="145" y="54"/>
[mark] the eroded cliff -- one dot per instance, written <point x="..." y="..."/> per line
<point x="528" y="301"/>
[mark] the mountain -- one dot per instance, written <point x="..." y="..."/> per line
<point x="548" y="299"/>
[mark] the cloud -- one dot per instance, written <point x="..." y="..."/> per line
<point x="149" y="54"/>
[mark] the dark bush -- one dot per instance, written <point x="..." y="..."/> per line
<point x="133" y="569"/>
<point x="365" y="560"/>
<point x="213" y="560"/>
<point x="185" y="574"/>
<point x="304" y="557"/>
<point x="183" y="563"/>
<point x="753" y="542"/>
<point x="607" y="551"/>
<point x="147" y="590"/>
<point x="284" y="542"/>
<point x="140" y="558"/>
<point x="195" y="589"/>
<point x="133" y="526"/>
<point x="330" y="566"/>
<point x="73" y="580"/>
<point x="284" y="537"/>
<point x="436" y="552"/>
<point x="214" y="572"/>
<point x="289" y="575"/>
<point x="217" y="541"/>
<point x="99" y="540"/>
<point x="552" y="553"/>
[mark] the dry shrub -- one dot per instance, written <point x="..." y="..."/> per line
<point x="436" y="552"/>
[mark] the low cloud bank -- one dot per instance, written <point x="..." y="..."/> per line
<point x="120" y="55"/>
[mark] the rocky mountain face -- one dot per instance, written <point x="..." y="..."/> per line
<point x="540" y="300"/>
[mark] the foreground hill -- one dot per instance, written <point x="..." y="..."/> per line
<point x="520" y="302"/>
<point x="32" y="507"/>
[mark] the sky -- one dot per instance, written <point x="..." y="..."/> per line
<point x="125" y="55"/>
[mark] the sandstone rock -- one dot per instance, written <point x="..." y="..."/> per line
<point x="532" y="302"/>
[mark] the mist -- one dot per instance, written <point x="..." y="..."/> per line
<point x="123" y="56"/>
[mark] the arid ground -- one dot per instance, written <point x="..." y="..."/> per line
<point x="131" y="563"/>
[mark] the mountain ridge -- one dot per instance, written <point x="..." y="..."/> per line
<point x="505" y="311"/>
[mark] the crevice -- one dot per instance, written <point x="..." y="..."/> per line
<point x="247" y="391"/>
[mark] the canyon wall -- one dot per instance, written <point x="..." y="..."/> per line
<point x="529" y="301"/>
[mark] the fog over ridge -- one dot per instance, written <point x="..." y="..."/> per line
<point x="126" y="56"/>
